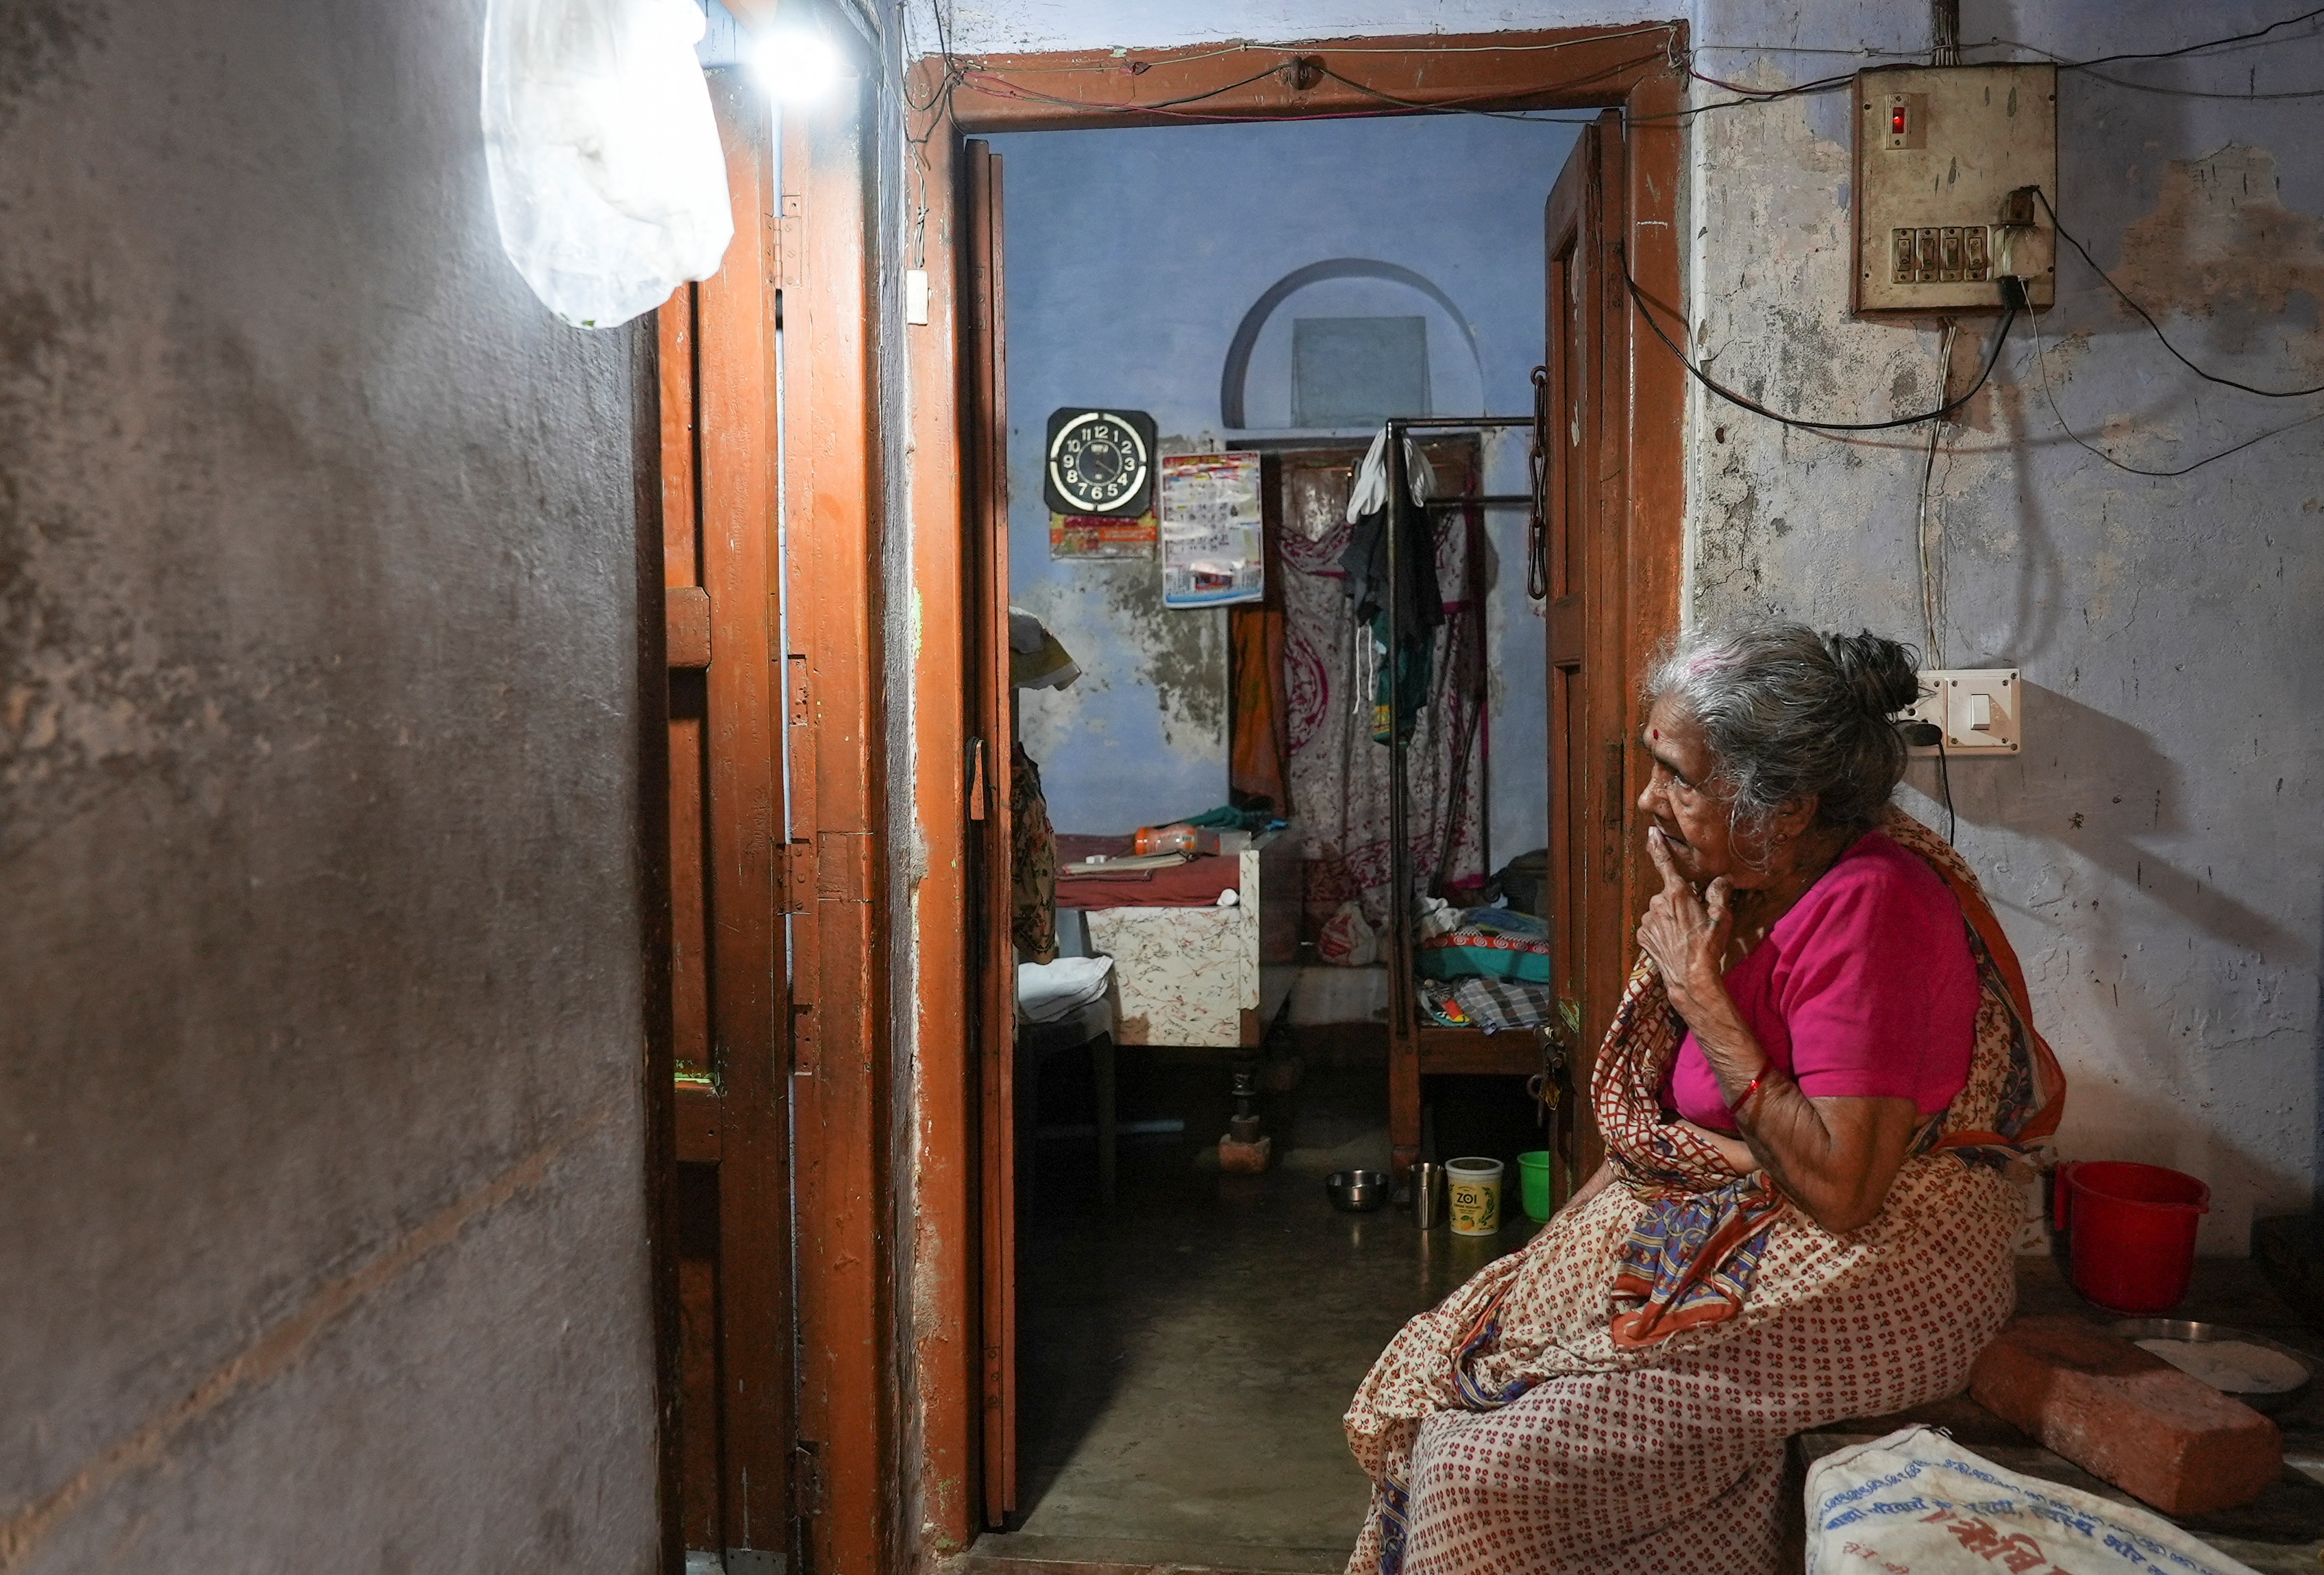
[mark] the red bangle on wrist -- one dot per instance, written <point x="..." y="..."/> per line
<point x="1735" y="1110"/>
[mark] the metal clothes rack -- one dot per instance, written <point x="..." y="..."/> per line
<point x="1403" y="1008"/>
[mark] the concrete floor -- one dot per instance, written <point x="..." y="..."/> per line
<point x="1186" y="1359"/>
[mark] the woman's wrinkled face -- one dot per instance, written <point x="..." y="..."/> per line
<point x="1696" y="820"/>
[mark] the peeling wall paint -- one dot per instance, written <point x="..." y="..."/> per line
<point x="2155" y="853"/>
<point x="320" y="1118"/>
<point x="2220" y="245"/>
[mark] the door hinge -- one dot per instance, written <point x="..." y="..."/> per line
<point x="795" y="876"/>
<point x="807" y="1050"/>
<point x="1566" y="633"/>
<point x="796" y="673"/>
<point x="806" y="1477"/>
<point x="790" y="241"/>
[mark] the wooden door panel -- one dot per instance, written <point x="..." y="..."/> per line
<point x="1585" y="575"/>
<point x="715" y="341"/>
<point x="688" y="693"/>
<point x="986" y="563"/>
<point x="832" y="671"/>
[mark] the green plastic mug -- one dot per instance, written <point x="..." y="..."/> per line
<point x="1533" y="1181"/>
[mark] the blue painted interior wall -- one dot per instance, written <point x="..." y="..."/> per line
<point x="1131" y="258"/>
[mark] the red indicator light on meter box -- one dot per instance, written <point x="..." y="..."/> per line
<point x="1897" y="121"/>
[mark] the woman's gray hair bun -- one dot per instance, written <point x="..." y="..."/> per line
<point x="1885" y="674"/>
<point x="1790" y="714"/>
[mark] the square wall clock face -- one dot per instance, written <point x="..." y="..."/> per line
<point x="1098" y="462"/>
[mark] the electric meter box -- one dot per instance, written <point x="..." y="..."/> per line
<point x="1939" y="150"/>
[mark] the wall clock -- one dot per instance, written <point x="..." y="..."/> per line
<point x="1099" y="462"/>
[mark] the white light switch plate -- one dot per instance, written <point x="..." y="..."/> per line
<point x="1980" y="709"/>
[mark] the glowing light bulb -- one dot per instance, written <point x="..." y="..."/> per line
<point x="797" y="65"/>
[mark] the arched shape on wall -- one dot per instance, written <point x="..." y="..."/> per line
<point x="1237" y="370"/>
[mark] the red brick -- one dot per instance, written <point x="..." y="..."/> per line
<point x="1245" y="1158"/>
<point x="2128" y="1416"/>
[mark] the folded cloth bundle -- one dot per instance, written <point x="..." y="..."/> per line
<point x="1049" y="991"/>
<point x="1482" y="943"/>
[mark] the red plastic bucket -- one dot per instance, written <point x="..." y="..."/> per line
<point x="2131" y="1243"/>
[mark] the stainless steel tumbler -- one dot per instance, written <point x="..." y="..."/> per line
<point x="1427" y="1194"/>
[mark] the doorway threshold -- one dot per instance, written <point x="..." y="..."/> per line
<point x="1019" y="1553"/>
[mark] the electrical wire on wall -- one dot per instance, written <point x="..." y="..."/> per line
<point x="937" y="112"/>
<point x="1302" y="61"/>
<point x="1811" y="423"/>
<point x="1300" y="64"/>
<point x="2049" y="396"/>
<point x="1933" y="584"/>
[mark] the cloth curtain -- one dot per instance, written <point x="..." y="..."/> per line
<point x="1338" y="775"/>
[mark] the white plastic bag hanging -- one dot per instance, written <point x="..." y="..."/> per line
<point x="606" y="171"/>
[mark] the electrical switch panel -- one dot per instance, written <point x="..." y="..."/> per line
<point x="1978" y="710"/>
<point x="1946" y="157"/>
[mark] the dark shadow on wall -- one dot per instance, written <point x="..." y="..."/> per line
<point x="2042" y="574"/>
<point x="2125" y="793"/>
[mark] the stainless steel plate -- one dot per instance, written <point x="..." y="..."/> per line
<point x="2189" y="1331"/>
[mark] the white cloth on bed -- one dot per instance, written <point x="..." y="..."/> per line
<point x="1048" y="993"/>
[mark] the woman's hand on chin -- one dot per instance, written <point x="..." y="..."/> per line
<point x="1687" y="937"/>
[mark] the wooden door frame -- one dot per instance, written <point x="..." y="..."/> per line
<point x="1631" y="68"/>
<point x="992" y="772"/>
<point x="1584" y="308"/>
<point x="834" y="696"/>
<point x="780" y="463"/>
<point x="719" y="526"/>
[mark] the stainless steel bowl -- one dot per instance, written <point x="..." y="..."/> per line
<point x="2195" y="1334"/>
<point x="1358" y="1191"/>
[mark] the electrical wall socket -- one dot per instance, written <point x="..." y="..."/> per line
<point x="1979" y="708"/>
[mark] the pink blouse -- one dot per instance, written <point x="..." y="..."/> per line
<point x="1866" y="987"/>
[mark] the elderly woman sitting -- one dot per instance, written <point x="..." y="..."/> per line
<point x="1820" y="1063"/>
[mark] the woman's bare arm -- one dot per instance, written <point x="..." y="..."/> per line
<point x="1589" y="1189"/>
<point x="1732" y="1150"/>
<point x="1835" y="1157"/>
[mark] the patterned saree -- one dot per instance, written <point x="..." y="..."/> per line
<point x="1616" y="1396"/>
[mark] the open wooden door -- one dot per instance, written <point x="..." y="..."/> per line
<point x="984" y="558"/>
<point x="1584" y="569"/>
<point x="729" y="972"/>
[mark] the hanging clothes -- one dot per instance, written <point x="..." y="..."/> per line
<point x="1337" y="775"/>
<point x="1259" y="763"/>
<point x="1036" y="661"/>
<point x="1402" y="682"/>
<point x="1033" y="862"/>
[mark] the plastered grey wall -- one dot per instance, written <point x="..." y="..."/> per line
<point x="2155" y="852"/>
<point x="321" y="991"/>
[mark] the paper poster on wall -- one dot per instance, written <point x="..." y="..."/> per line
<point x="1101" y="535"/>
<point x="1213" y="541"/>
